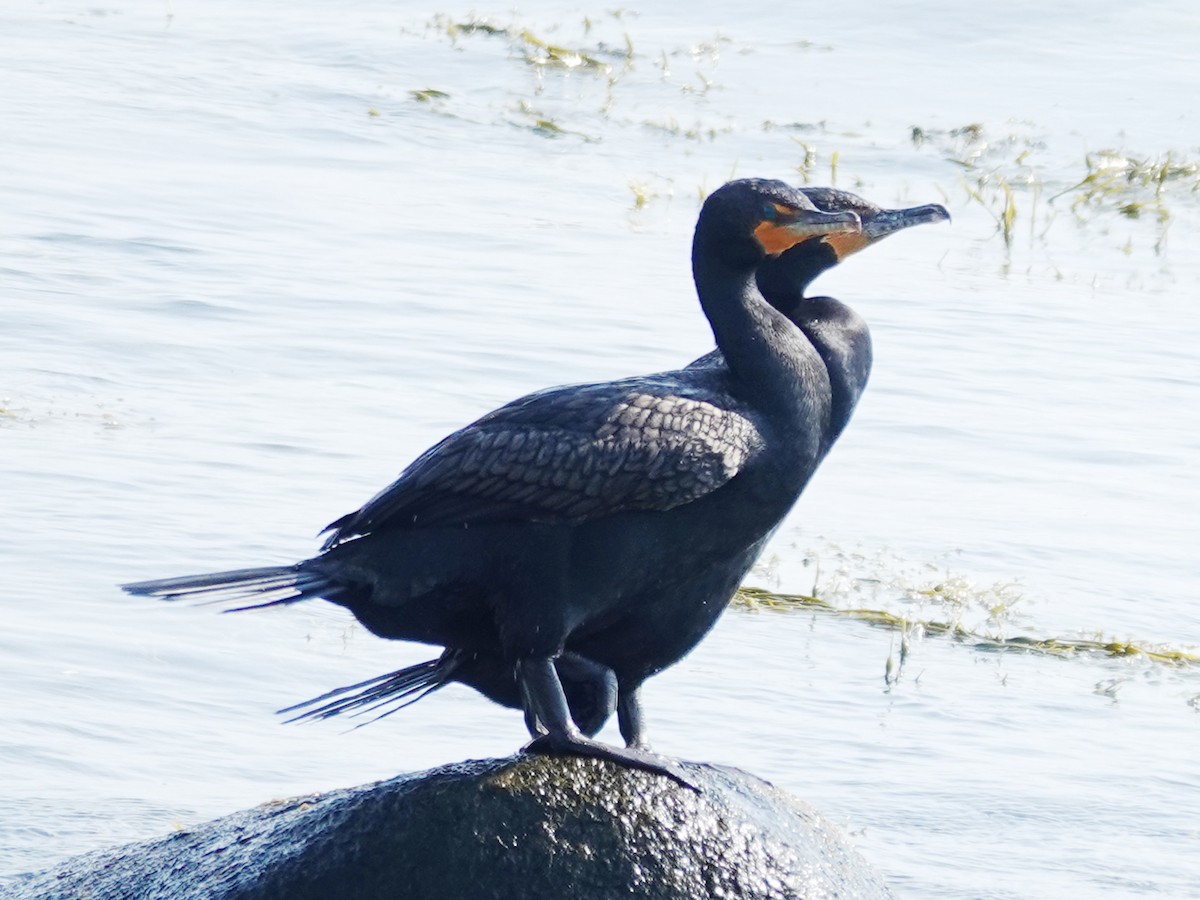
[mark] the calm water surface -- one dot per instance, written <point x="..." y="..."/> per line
<point x="248" y="275"/>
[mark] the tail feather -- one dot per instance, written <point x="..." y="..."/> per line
<point x="390" y="693"/>
<point x="264" y="586"/>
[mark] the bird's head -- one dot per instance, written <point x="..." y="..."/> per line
<point x="792" y="271"/>
<point x="877" y="223"/>
<point x="751" y="219"/>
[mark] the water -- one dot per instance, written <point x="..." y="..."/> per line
<point x="248" y="276"/>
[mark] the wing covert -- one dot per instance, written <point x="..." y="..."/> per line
<point x="567" y="455"/>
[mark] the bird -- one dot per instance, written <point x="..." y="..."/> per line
<point x="611" y="521"/>
<point x="843" y="340"/>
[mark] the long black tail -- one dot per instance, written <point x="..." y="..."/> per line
<point x="249" y="588"/>
<point x="389" y="693"/>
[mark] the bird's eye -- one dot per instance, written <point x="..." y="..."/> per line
<point x="774" y="212"/>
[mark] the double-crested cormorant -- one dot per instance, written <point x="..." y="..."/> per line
<point x="844" y="343"/>
<point x="609" y="521"/>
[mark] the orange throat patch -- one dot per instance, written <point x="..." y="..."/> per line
<point x="774" y="239"/>
<point x="844" y="244"/>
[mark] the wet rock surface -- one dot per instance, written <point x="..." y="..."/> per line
<point x="529" y="826"/>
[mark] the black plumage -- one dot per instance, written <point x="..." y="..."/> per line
<point x="842" y="339"/>
<point x="607" y="522"/>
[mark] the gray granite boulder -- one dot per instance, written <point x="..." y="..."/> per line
<point x="529" y="826"/>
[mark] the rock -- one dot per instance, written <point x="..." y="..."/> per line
<point x="529" y="826"/>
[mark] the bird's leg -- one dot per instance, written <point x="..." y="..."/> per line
<point x="545" y="702"/>
<point x="544" y="694"/>
<point x="630" y="718"/>
<point x="532" y="724"/>
<point x="591" y="691"/>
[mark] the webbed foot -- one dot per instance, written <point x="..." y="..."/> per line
<point x="546" y="704"/>
<point x="552" y="744"/>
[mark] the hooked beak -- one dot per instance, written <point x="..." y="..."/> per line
<point x="885" y="222"/>
<point x="889" y="221"/>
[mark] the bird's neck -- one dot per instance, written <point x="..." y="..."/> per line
<point x="766" y="354"/>
<point x="843" y="341"/>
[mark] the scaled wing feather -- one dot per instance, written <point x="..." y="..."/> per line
<point x="568" y="455"/>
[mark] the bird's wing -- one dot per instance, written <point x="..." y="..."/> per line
<point x="567" y="455"/>
<point x="713" y="359"/>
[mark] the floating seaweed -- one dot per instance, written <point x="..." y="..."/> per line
<point x="754" y="598"/>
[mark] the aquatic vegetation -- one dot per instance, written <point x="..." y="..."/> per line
<point x="545" y="125"/>
<point x="593" y="76"/>
<point x="1113" y="176"/>
<point x="1008" y="175"/>
<point x="603" y="49"/>
<point x="641" y="194"/>
<point x="1131" y="186"/>
<point x="884" y="591"/>
<point x="694" y="132"/>
<point x="428" y="95"/>
<point x="469" y="26"/>
<point x="534" y="49"/>
<point x="989" y="178"/>
<point x="754" y="598"/>
<point x="1000" y="203"/>
<point x="539" y="52"/>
